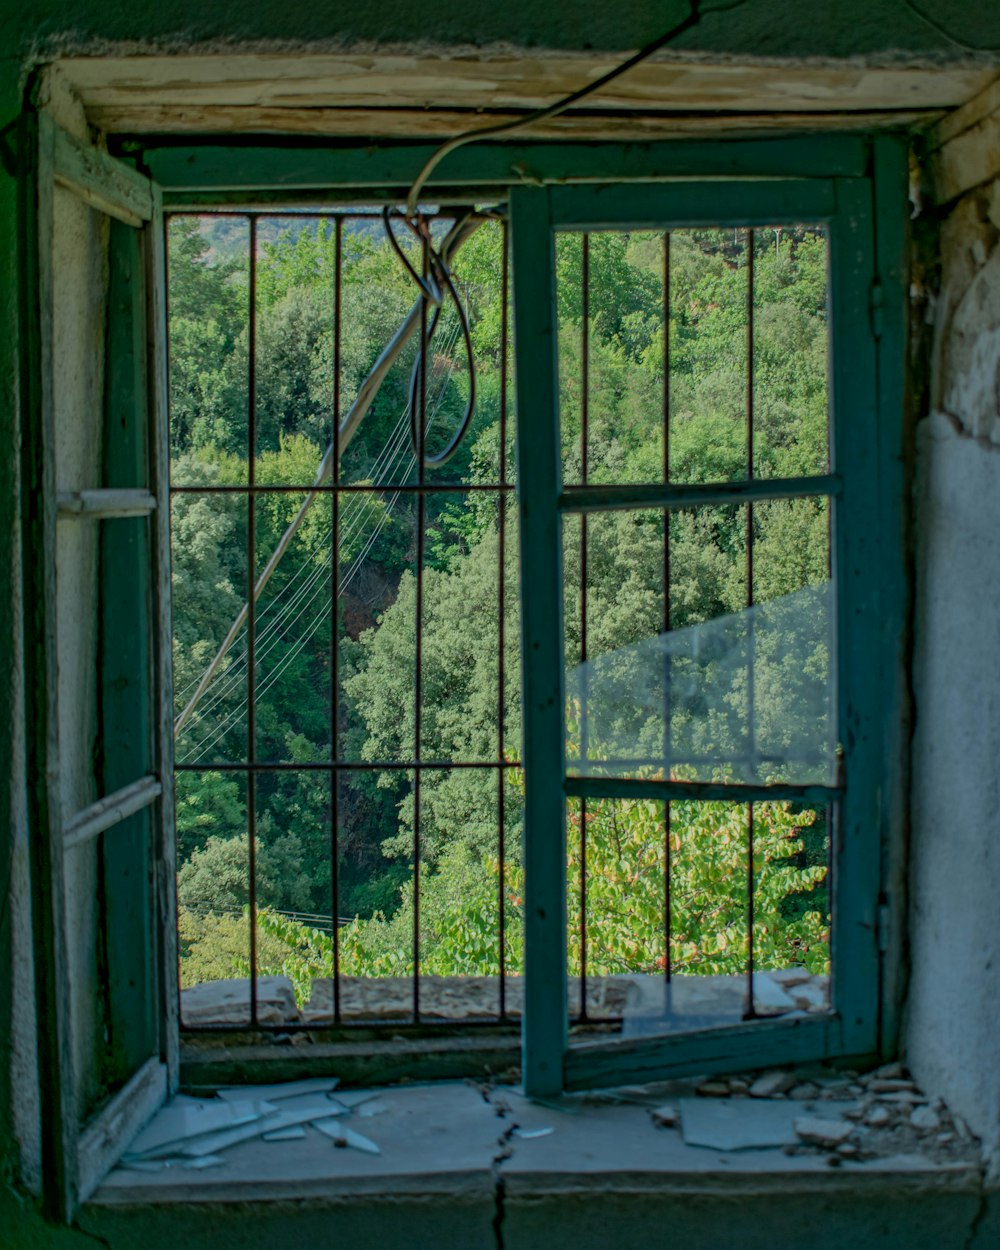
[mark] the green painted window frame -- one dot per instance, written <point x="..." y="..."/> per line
<point x="865" y="489"/>
<point x="129" y="825"/>
<point x="855" y="182"/>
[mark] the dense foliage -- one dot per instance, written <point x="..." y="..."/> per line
<point x="464" y="713"/>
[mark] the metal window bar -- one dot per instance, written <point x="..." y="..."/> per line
<point x="749" y="1011"/>
<point x="338" y="309"/>
<point x="501" y="626"/>
<point x="336" y="766"/>
<point x="252" y="609"/>
<point x="584" y="467"/>
<point x="666" y="624"/>
<point x="419" y="628"/>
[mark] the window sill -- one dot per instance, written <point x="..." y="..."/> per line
<point x="452" y="1173"/>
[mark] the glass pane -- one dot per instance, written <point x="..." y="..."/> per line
<point x="208" y="269"/>
<point x="730" y="692"/>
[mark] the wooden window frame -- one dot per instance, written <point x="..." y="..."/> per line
<point x="863" y="179"/>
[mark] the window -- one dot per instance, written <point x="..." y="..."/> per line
<point x="581" y="754"/>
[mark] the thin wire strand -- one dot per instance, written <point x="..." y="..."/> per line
<point x="693" y="18"/>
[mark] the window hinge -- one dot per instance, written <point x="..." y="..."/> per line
<point x="876" y="302"/>
<point x="884" y="923"/>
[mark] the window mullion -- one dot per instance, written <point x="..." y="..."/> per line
<point x="545" y="1025"/>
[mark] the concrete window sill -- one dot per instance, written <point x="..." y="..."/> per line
<point x="454" y="1173"/>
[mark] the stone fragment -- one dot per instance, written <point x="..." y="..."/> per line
<point x="848" y="1149"/>
<point x="822" y="1132"/>
<point x="878" y="1117"/>
<point x="805" y="1092"/>
<point x="888" y="1072"/>
<point x="769" y="996"/>
<point x="228" y="1002"/>
<point x="772" y="1083"/>
<point x="857" y="1112"/>
<point x="961" y="1128"/>
<point x="666" y="1116"/>
<point x="889" y="1085"/>
<point x="926" y="1119"/>
<point x="855" y="1089"/>
<point x="809" y="997"/>
<point x="713" y="1089"/>
<point x="738" y="1086"/>
<point x="907" y="1097"/>
<point x="945" y="1139"/>
<point x="787" y="977"/>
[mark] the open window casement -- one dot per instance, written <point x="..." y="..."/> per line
<point x="97" y="654"/>
<point x="778" y="710"/>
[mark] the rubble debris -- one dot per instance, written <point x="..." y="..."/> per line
<point x="528" y="1133"/>
<point x="926" y="1119"/>
<point x="342" y="1136"/>
<point x="806" y="1092"/>
<point x="823" y="1132"/>
<point x="878" y="1117"/>
<point x="666" y="1116"/>
<point x="772" y="1083"/>
<point x="713" y="1089"/>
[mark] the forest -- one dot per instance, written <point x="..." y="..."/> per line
<point x="334" y="676"/>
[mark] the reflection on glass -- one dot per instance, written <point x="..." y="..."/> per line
<point x="679" y="702"/>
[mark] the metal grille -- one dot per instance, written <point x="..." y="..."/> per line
<point x="579" y="533"/>
<point x="411" y="481"/>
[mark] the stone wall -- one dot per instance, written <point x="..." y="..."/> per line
<point x="952" y="1018"/>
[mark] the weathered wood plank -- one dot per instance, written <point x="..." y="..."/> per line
<point x="284" y="167"/>
<point x="490" y="81"/>
<point x="966" y="161"/>
<point x="439" y="124"/>
<point x="650" y="789"/>
<point x="98" y="179"/>
<point x="736" y="1047"/>
<point x="585" y="499"/>
<point x="110" y="810"/>
<point x="38" y="495"/>
<point x="970" y="114"/>
<point x="109" y="1132"/>
<point x="125" y="673"/>
<point x="100" y="505"/>
<point x="164" y="848"/>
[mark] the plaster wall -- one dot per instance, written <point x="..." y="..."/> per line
<point x="951" y="1033"/>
